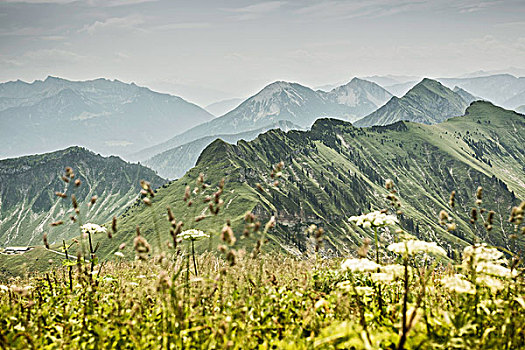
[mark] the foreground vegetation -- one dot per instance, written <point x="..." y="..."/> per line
<point x="291" y="304"/>
<point x="400" y="293"/>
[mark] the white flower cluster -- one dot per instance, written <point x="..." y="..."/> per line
<point x="413" y="247"/>
<point x="374" y="219"/>
<point x="193" y="235"/>
<point x="488" y="264"/>
<point x="347" y="286"/>
<point x="92" y="228"/>
<point x="389" y="273"/>
<point x="359" y="265"/>
<point x="459" y="284"/>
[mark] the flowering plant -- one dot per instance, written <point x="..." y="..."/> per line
<point x="374" y="219"/>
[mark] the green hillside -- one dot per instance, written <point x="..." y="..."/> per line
<point x="28" y="204"/>
<point x="336" y="170"/>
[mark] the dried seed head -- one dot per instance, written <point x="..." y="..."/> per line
<point x="114" y="224"/>
<point x="389" y="184"/>
<point x="60" y="194"/>
<point x="147" y="201"/>
<point x="221" y="184"/>
<point x="122" y="246"/>
<point x="363" y="250"/>
<point x="145" y="185"/>
<point x="473" y="215"/>
<point x="78" y="182"/>
<point x="490" y="217"/>
<point x="141" y="246"/>
<point x="164" y="282"/>
<point x="187" y="193"/>
<point x="227" y="235"/>
<point x="171" y="217"/>
<point x="93" y="200"/>
<point x="259" y="187"/>
<point x="443" y="216"/>
<point x="231" y="256"/>
<point x="57" y="223"/>
<point x="479" y="192"/>
<point x="74" y="201"/>
<point x="44" y="237"/>
<point x="249" y="217"/>
<point x="451" y="227"/>
<point x="73" y="219"/>
<point x="452" y="200"/>
<point x="200" y="218"/>
<point x="65" y="179"/>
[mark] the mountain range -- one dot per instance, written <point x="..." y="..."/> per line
<point x="28" y="204"/>
<point x="279" y="101"/>
<point x="336" y="170"/>
<point x="106" y="116"/>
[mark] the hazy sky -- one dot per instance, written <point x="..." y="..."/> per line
<point x="211" y="50"/>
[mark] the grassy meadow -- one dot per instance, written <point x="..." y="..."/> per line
<point x="399" y="294"/>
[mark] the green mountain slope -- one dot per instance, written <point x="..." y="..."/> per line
<point x="28" y="204"/>
<point x="174" y="163"/>
<point x="336" y="170"/>
<point x="428" y="102"/>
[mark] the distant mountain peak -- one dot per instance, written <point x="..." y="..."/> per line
<point x="428" y="102"/>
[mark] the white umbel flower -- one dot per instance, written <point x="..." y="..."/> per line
<point x="374" y="219"/>
<point x="413" y="247"/>
<point x="458" y="284"/>
<point x="193" y="235"/>
<point x="92" y="228"/>
<point x="359" y="265"/>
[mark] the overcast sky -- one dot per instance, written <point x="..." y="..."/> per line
<point x="212" y="50"/>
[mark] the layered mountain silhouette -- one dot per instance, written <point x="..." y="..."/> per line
<point x="281" y="101"/>
<point x="107" y="116"/>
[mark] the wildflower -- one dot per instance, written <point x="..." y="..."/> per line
<point x="492" y="283"/>
<point x="375" y="219"/>
<point x="395" y="270"/>
<point x="382" y="277"/>
<point x="493" y="269"/>
<point x="413" y="247"/>
<point x="481" y="252"/>
<point x="193" y="235"/>
<point x="321" y="303"/>
<point x="458" y="284"/>
<point x="364" y="290"/>
<point x="4" y="288"/>
<point x="359" y="265"/>
<point x="92" y="229"/>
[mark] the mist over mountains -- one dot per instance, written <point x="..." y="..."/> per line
<point x="109" y="117"/>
